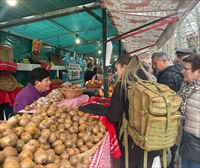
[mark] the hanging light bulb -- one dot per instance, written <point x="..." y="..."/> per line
<point x="99" y="52"/>
<point x="11" y="2"/>
<point x="78" y="41"/>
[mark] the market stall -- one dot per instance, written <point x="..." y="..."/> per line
<point x="53" y="36"/>
<point x="49" y="119"/>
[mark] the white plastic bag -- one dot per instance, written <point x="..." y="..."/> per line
<point x="156" y="162"/>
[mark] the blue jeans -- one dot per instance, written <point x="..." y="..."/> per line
<point x="186" y="163"/>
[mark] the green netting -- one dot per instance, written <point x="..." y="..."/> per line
<point x="39" y="30"/>
<point x="33" y="7"/>
<point x="62" y="32"/>
<point x="79" y="21"/>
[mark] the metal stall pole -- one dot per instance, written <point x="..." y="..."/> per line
<point x="105" y="68"/>
<point x="119" y="48"/>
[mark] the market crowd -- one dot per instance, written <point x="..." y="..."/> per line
<point x="182" y="75"/>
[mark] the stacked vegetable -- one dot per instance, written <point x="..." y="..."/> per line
<point x="53" y="137"/>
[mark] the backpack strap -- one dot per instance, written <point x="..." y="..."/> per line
<point x="124" y="130"/>
<point x="165" y="158"/>
<point x="145" y="159"/>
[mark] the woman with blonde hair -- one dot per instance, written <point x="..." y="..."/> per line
<point x="129" y="70"/>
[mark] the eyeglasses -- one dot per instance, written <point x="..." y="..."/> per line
<point x="185" y="69"/>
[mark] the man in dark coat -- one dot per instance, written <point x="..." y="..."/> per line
<point x="169" y="75"/>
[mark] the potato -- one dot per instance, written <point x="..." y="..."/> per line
<point x="74" y="160"/>
<point x="10" y="151"/>
<point x="2" y="156"/>
<point x="40" y="157"/>
<point x="7" y="141"/>
<point x="11" y="162"/>
<point x="59" y="149"/>
<point x="27" y="163"/>
<point x="25" y="154"/>
<point x="19" y="131"/>
<point x="13" y="121"/>
<point x="26" y="136"/>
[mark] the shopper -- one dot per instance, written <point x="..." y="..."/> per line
<point x="88" y="73"/>
<point x="169" y="75"/>
<point x="190" y="108"/>
<point x="39" y="84"/>
<point x="97" y="71"/>
<point x="128" y="69"/>
<point x="183" y="53"/>
<point x="178" y="65"/>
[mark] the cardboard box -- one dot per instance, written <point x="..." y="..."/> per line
<point x="6" y="53"/>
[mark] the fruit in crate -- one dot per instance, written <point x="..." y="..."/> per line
<point x="110" y="91"/>
<point x="93" y="84"/>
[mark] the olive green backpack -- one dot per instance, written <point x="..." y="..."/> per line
<point x="153" y="118"/>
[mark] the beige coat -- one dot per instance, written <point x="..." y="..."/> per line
<point x="192" y="114"/>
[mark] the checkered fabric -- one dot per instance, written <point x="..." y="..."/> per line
<point x="101" y="158"/>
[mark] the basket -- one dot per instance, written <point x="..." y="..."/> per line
<point x="93" y="84"/>
<point x="72" y="93"/>
<point x="7" y="82"/>
<point x="92" y="150"/>
<point x="92" y="88"/>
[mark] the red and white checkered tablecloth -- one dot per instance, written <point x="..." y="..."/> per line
<point x="101" y="158"/>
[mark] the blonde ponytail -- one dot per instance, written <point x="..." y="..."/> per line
<point x="130" y="74"/>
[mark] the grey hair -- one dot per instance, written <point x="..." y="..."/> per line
<point x="160" y="55"/>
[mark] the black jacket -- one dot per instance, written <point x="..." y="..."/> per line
<point x="88" y="75"/>
<point x="119" y="101"/>
<point x="171" y="76"/>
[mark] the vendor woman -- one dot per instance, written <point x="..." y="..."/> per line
<point x="39" y="84"/>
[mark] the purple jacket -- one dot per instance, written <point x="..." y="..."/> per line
<point x="26" y="97"/>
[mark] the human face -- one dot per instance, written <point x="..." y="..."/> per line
<point x="188" y="75"/>
<point x="119" y="69"/>
<point x="159" y="64"/>
<point x="44" y="85"/>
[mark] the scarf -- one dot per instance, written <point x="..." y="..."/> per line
<point x="186" y="90"/>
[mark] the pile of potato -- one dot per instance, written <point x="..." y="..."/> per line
<point x="53" y="137"/>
